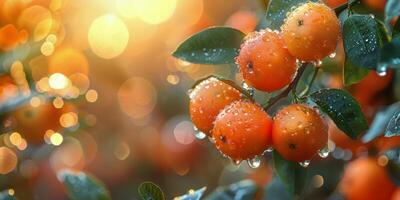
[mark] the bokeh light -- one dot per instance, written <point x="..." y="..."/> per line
<point x="137" y="97"/>
<point x="150" y="11"/>
<point x="8" y="160"/>
<point x="108" y="36"/>
<point x="58" y="81"/>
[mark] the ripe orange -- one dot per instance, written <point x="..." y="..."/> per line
<point x="373" y="83"/>
<point x="242" y="130"/>
<point x="207" y="99"/>
<point x="383" y="144"/>
<point x="299" y="132"/>
<point x="242" y="20"/>
<point x="264" y="61"/>
<point x="396" y="195"/>
<point x="9" y="37"/>
<point x="365" y="179"/>
<point x="378" y="5"/>
<point x="311" y="32"/>
<point x="32" y="123"/>
<point x="334" y="3"/>
<point x="343" y="141"/>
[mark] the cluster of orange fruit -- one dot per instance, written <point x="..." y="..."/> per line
<point x="268" y="61"/>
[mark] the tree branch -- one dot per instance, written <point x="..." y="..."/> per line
<point x="291" y="86"/>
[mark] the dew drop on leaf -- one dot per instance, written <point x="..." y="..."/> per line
<point x="248" y="88"/>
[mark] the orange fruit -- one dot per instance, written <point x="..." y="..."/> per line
<point x="33" y="122"/>
<point x="242" y="131"/>
<point x="334" y="3"/>
<point x="264" y="61"/>
<point x="365" y="179"/>
<point x="299" y="132"/>
<point x="207" y="99"/>
<point x="373" y="83"/>
<point x="384" y="144"/>
<point x="343" y="141"/>
<point x="396" y="195"/>
<point x="311" y="32"/>
<point x="378" y="5"/>
<point x="9" y="37"/>
<point x="242" y="20"/>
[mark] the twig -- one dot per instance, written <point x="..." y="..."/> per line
<point x="307" y="89"/>
<point x="291" y="86"/>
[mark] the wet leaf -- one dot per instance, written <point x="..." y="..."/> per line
<point x="353" y="74"/>
<point x="393" y="169"/>
<point x="396" y="29"/>
<point x="363" y="37"/>
<point x="243" y="190"/>
<point x="343" y="109"/>
<point x="5" y="195"/>
<point x="277" y="11"/>
<point x="393" y="127"/>
<point x="81" y="186"/>
<point x="276" y="190"/>
<point x="292" y="175"/>
<point x="150" y="191"/>
<point x="193" y="194"/>
<point x="380" y="122"/>
<point x="392" y="9"/>
<point x="390" y="55"/>
<point x="216" y="45"/>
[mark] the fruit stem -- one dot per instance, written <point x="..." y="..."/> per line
<point x="291" y="86"/>
<point x="307" y="90"/>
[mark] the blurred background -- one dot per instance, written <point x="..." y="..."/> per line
<point x="91" y="85"/>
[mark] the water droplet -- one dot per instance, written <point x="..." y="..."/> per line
<point x="305" y="163"/>
<point x="198" y="134"/>
<point x="254" y="162"/>
<point x="269" y="149"/>
<point x="236" y="162"/>
<point x="324" y="153"/>
<point x="332" y="55"/>
<point x="249" y="89"/>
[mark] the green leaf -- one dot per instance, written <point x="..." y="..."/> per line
<point x="213" y="46"/>
<point x="243" y="190"/>
<point x="392" y="9"/>
<point x="390" y="55"/>
<point x="363" y="37"/>
<point x="150" y="191"/>
<point x="353" y="74"/>
<point x="81" y="186"/>
<point x="277" y="11"/>
<point x="396" y="29"/>
<point x="343" y="109"/>
<point x="393" y="169"/>
<point x="393" y="127"/>
<point x="380" y="122"/>
<point x="193" y="195"/>
<point x="5" y="195"/>
<point x="292" y="175"/>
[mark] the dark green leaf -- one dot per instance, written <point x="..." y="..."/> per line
<point x="81" y="186"/>
<point x="243" y="190"/>
<point x="150" y="191"/>
<point x="390" y="55"/>
<point x="343" y="109"/>
<point x="5" y="195"/>
<point x="193" y="195"/>
<point x="217" y="45"/>
<point x="277" y="11"/>
<point x="276" y="190"/>
<point x="393" y="169"/>
<point x="292" y="175"/>
<point x="353" y="74"/>
<point x="393" y="127"/>
<point x="380" y="122"/>
<point x="362" y="37"/>
<point x="392" y="9"/>
<point x="396" y="29"/>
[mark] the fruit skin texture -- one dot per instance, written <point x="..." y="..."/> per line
<point x="334" y="3"/>
<point x="242" y="130"/>
<point x="365" y="179"/>
<point x="264" y="61"/>
<point x="378" y="5"/>
<point x="299" y="132"/>
<point x="311" y="32"/>
<point x="207" y="99"/>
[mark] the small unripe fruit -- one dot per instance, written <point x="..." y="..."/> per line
<point x="299" y="132"/>
<point x="242" y="131"/>
<point x="207" y="99"/>
<point x="265" y="62"/>
<point x="311" y="32"/>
